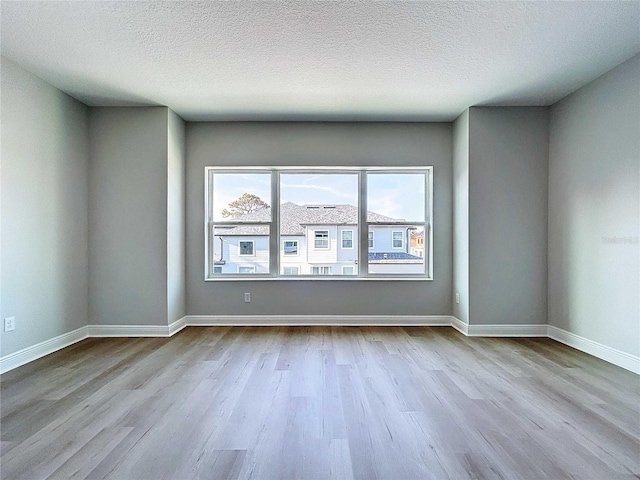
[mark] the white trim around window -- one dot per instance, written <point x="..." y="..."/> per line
<point x="321" y="239"/>
<point x="242" y="245"/>
<point x="293" y="248"/>
<point x="349" y="239"/>
<point x="394" y="239"/>
<point x="348" y="270"/>
<point x="363" y="238"/>
<point x="322" y="270"/>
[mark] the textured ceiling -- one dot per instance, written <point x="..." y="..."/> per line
<point x="319" y="60"/>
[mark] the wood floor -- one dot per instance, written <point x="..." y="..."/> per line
<point x="319" y="402"/>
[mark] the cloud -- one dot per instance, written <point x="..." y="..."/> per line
<point x="310" y="193"/>
<point x="331" y="190"/>
<point x="397" y="203"/>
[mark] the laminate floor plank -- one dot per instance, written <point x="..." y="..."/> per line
<point x="315" y="402"/>
<point x="79" y="465"/>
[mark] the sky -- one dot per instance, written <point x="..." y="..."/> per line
<point x="397" y="195"/>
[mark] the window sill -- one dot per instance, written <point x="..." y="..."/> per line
<point x="322" y="278"/>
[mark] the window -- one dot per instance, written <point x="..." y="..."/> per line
<point x="238" y="222"/>
<point x="321" y="239"/>
<point x="347" y="239"/>
<point x="399" y="209"/>
<point x="397" y="239"/>
<point x="320" y="270"/>
<point x="270" y="222"/>
<point x="290" y="247"/>
<point x="245" y="248"/>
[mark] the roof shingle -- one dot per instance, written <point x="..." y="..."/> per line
<point x="293" y="217"/>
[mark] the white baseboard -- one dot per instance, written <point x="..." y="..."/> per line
<point x="499" y="330"/>
<point x="507" y="330"/>
<point x="39" y="350"/>
<point x="137" y="330"/>
<point x="176" y="326"/>
<point x="326" y="320"/>
<point x="459" y="325"/>
<point x="29" y="354"/>
<point x="611" y="355"/>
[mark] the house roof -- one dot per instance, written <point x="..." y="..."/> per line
<point x="294" y="217"/>
<point x="394" y="257"/>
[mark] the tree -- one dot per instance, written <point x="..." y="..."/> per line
<point x="247" y="203"/>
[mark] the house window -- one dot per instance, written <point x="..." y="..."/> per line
<point x="256" y="219"/>
<point x="397" y="239"/>
<point x="238" y="222"/>
<point x="408" y="216"/>
<point x="245" y="248"/>
<point x="321" y="239"/>
<point x="290" y="247"/>
<point x="320" y="270"/>
<point x="347" y="239"/>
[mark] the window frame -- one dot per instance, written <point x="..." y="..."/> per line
<point x="253" y="248"/>
<point x="353" y="270"/>
<point x="393" y="240"/>
<point x="342" y="232"/>
<point x="284" y="248"/>
<point x="324" y="268"/>
<point x="315" y="240"/>
<point x="360" y="231"/>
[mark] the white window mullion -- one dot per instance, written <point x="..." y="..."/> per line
<point x="274" y="238"/>
<point x="428" y="239"/>
<point x="208" y="198"/>
<point x="363" y="226"/>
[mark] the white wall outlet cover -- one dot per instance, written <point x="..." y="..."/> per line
<point x="9" y="324"/>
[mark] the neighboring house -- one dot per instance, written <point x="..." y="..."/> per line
<point x="314" y="240"/>
<point x="417" y="244"/>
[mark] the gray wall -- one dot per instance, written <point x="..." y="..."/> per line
<point x="508" y="182"/>
<point x="128" y="216"/>
<point x="176" y="293"/>
<point x="594" y="286"/>
<point x="44" y="156"/>
<point x="317" y="144"/>
<point x="461" y="216"/>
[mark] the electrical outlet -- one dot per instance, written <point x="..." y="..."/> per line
<point x="9" y="324"/>
<point x="247" y="297"/>
<point x="457" y="297"/>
